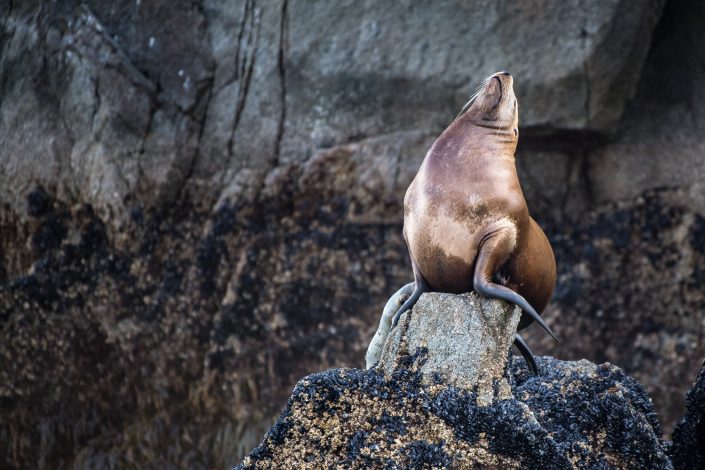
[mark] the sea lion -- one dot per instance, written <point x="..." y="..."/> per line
<point x="466" y="222"/>
<point x="374" y="350"/>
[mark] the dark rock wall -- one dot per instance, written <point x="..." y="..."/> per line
<point x="200" y="202"/>
<point x="631" y="265"/>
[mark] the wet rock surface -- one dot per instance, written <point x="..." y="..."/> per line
<point x="186" y="330"/>
<point x="574" y="415"/>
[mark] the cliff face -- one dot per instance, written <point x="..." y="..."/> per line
<point x="200" y="202"/>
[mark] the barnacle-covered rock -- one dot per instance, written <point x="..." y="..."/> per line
<point x="574" y="415"/>
<point x="429" y="404"/>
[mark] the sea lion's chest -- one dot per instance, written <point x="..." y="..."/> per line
<point x="448" y="212"/>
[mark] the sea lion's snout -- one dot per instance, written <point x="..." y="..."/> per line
<point x="505" y="109"/>
<point x="493" y="89"/>
<point x="505" y="78"/>
<point x="497" y="99"/>
<point x="494" y="101"/>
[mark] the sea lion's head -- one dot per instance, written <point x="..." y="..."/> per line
<point x="494" y="104"/>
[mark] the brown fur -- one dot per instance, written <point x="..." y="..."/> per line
<point x="466" y="200"/>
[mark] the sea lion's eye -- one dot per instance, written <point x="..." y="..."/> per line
<point x="516" y="131"/>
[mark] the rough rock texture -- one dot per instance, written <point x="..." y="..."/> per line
<point x="467" y="348"/>
<point x="575" y="415"/>
<point x="688" y="447"/>
<point x="200" y="202"/>
<point x="124" y="103"/>
<point x="660" y="142"/>
<point x="638" y="268"/>
<point x="626" y="218"/>
<point x="182" y="348"/>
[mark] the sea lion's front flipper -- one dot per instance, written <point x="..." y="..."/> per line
<point x="420" y="286"/>
<point x="526" y="354"/>
<point x="493" y="252"/>
<point x="374" y="350"/>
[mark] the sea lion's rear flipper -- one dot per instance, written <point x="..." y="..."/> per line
<point x="493" y="252"/>
<point x="526" y="354"/>
<point x="420" y="286"/>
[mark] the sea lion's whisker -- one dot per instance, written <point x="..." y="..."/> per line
<point x="474" y="96"/>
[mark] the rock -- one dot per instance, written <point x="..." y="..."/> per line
<point x="366" y="65"/>
<point x="661" y="144"/>
<point x="574" y="415"/>
<point x="442" y="395"/>
<point x="138" y="101"/>
<point x="629" y="289"/>
<point x="216" y="300"/>
<point x="466" y="337"/>
<point x="688" y="447"/>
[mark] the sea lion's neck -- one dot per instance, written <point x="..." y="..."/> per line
<point x="464" y="141"/>
<point x="490" y="138"/>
